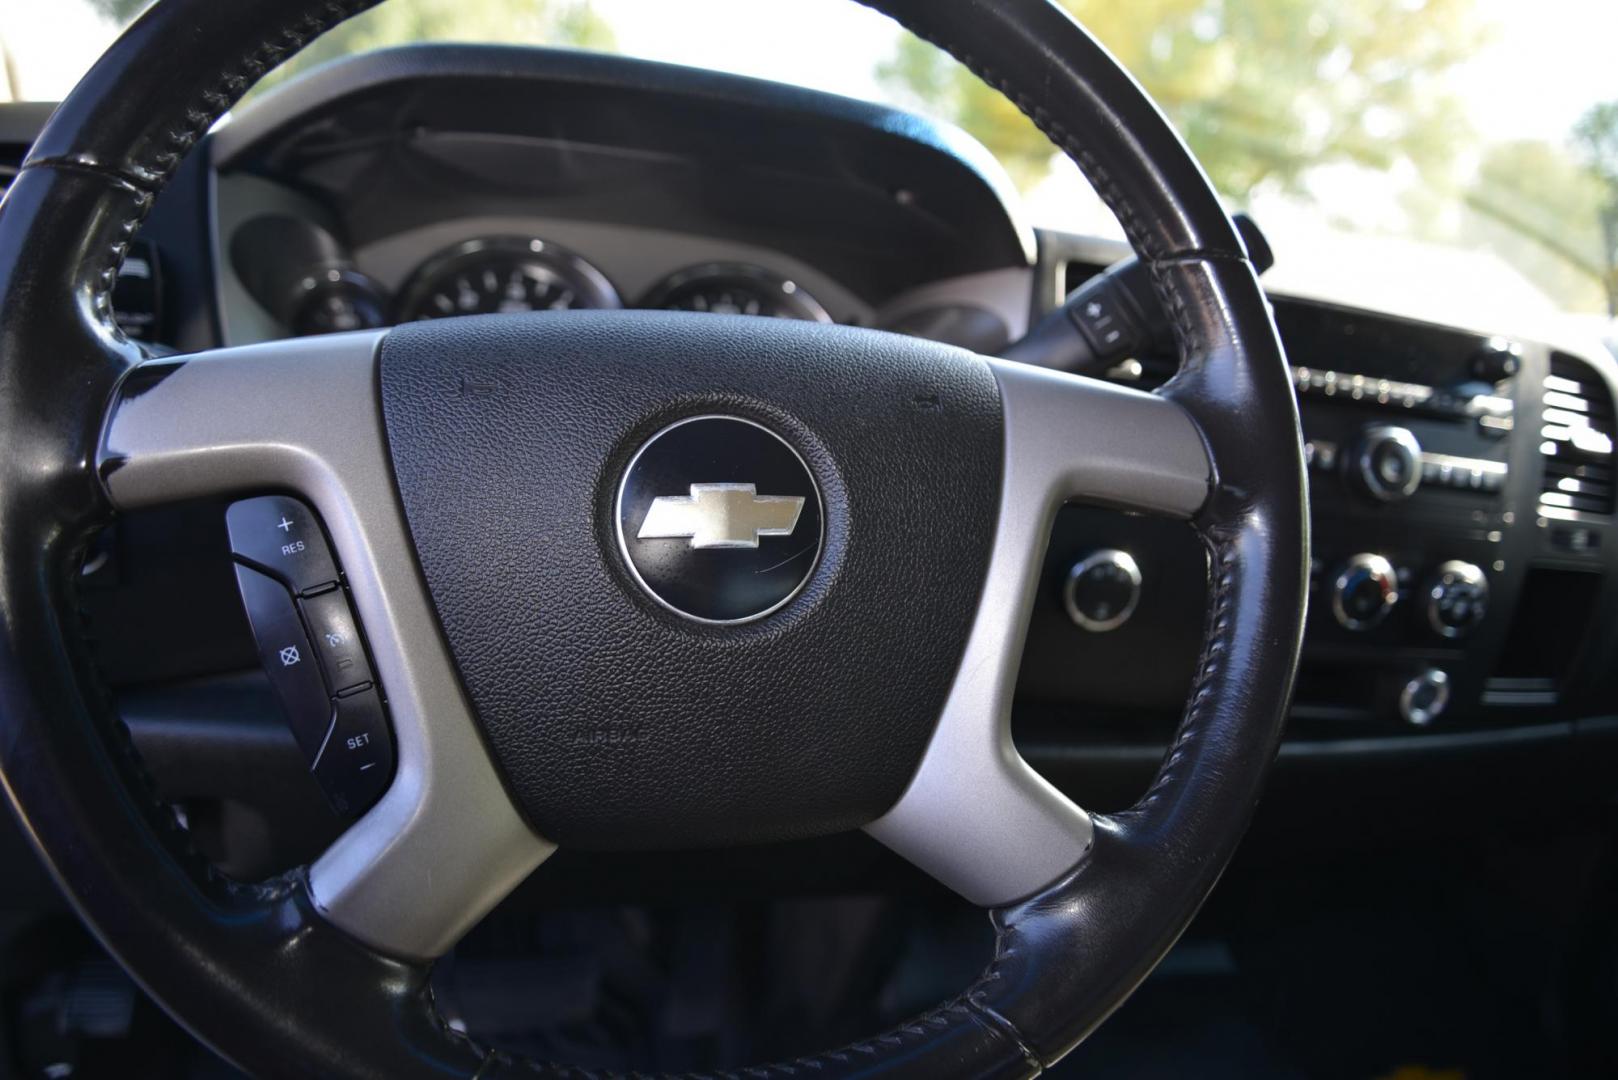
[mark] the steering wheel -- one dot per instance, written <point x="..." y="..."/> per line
<point x="488" y="485"/>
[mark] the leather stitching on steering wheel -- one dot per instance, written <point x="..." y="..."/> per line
<point x="150" y="178"/>
<point x="1207" y="670"/>
<point x="925" y="1025"/>
<point x="1053" y="130"/>
<point x="236" y="80"/>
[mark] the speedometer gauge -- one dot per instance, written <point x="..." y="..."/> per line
<point x="734" y="289"/>
<point x="504" y="275"/>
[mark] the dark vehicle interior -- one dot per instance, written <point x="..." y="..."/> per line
<point x="638" y="802"/>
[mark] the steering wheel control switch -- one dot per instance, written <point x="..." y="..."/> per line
<point x="311" y="647"/>
<point x="1115" y="315"/>
<point x="356" y="762"/>
<point x="336" y="638"/>
<point x="288" y="657"/>
<point x="282" y="537"/>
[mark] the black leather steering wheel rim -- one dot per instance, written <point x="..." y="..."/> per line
<point x="256" y="971"/>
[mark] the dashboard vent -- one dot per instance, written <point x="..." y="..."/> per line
<point x="1576" y="441"/>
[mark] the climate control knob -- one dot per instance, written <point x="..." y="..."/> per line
<point x="1388" y="465"/>
<point x="1365" y="591"/>
<point x="1457" y="599"/>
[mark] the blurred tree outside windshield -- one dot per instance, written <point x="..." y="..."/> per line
<point x="1268" y="93"/>
<point x="1265" y="91"/>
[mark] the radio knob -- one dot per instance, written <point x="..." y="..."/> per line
<point x="1497" y="361"/>
<point x="1457" y="599"/>
<point x="1425" y="697"/>
<point x="1365" y="591"/>
<point x="1388" y="465"/>
<point x="1102" y="590"/>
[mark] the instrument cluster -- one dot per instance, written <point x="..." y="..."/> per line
<point x="311" y="286"/>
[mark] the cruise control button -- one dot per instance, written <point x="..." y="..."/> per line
<point x="357" y="763"/>
<point x="281" y="536"/>
<point x="288" y="658"/>
<point x="337" y="640"/>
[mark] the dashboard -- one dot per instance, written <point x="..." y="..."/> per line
<point x="1464" y="585"/>
<point x="437" y="181"/>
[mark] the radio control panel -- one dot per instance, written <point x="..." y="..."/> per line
<point x="1463" y="500"/>
<point x="1421" y="483"/>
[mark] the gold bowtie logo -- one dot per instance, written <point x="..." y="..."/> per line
<point x="721" y="516"/>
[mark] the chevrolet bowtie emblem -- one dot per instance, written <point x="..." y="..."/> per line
<point x="721" y="516"/>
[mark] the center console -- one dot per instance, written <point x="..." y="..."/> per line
<point x="1422" y="504"/>
<point x="1462" y="493"/>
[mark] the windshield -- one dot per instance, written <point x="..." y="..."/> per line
<point x="1387" y="133"/>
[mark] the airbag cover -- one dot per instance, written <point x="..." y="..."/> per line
<point x="619" y="723"/>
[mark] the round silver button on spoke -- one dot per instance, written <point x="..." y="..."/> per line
<point x="1102" y="590"/>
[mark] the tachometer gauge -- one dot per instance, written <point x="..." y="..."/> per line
<point x="504" y="275"/>
<point x="734" y="289"/>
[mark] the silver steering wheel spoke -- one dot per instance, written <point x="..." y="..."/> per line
<point x="445" y="843"/>
<point x="975" y="815"/>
